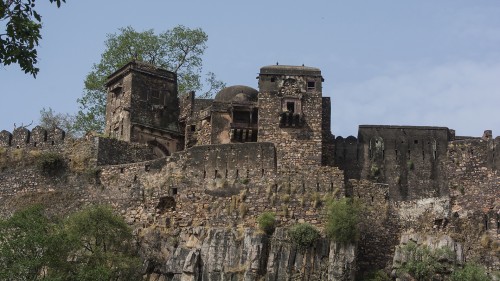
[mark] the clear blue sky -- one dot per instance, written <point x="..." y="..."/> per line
<point x="392" y="62"/>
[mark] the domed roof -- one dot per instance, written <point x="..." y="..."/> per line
<point x="238" y="93"/>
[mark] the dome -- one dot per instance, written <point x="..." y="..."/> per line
<point x="237" y="93"/>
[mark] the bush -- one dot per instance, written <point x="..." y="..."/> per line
<point x="267" y="222"/>
<point x="470" y="272"/>
<point x="50" y="163"/>
<point x="303" y="235"/>
<point x="343" y="218"/>
<point x="422" y="262"/>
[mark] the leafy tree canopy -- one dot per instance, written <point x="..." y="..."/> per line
<point x="93" y="244"/>
<point x="179" y="50"/>
<point x="21" y="33"/>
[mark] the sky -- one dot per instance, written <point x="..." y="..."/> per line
<point x="387" y="62"/>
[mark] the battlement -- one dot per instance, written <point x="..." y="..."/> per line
<point x="37" y="137"/>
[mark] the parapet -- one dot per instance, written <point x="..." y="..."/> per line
<point x="39" y="136"/>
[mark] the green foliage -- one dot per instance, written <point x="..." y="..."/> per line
<point x="24" y="243"/>
<point x="470" y="272"/>
<point x="93" y="244"/>
<point x="410" y="165"/>
<point x="101" y="245"/>
<point x="343" y="218"/>
<point x="423" y="263"/>
<point x="50" y="163"/>
<point x="267" y="222"/>
<point x="21" y="25"/>
<point x="303" y="235"/>
<point x="374" y="171"/>
<point x="179" y="50"/>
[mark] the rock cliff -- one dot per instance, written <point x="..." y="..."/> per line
<point x="211" y="254"/>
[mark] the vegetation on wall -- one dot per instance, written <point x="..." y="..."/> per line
<point x="50" y="163"/>
<point x="267" y="222"/>
<point x="423" y="263"/>
<point x="342" y="220"/>
<point x="303" y="235"/>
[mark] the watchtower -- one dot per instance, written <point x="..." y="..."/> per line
<point x="291" y="113"/>
<point x="142" y="106"/>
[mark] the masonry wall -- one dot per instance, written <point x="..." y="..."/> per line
<point x="407" y="158"/>
<point x="296" y="146"/>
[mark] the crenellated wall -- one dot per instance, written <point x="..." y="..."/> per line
<point x="38" y="137"/>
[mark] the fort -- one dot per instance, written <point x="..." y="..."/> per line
<point x="178" y="166"/>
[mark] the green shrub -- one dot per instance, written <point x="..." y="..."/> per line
<point x="470" y="272"/>
<point x="343" y="218"/>
<point x="303" y="235"/>
<point x="50" y="163"/>
<point x="422" y="262"/>
<point x="267" y="222"/>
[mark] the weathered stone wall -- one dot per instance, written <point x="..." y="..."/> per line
<point x="112" y="151"/>
<point x="328" y="140"/>
<point x="296" y="146"/>
<point x="409" y="159"/>
<point x="38" y="137"/>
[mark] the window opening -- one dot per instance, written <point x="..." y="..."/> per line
<point x="290" y="106"/>
<point x="311" y="85"/>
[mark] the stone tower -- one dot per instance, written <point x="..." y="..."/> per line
<point x="142" y="106"/>
<point x="291" y="114"/>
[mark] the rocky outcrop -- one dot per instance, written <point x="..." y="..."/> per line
<point x="211" y="254"/>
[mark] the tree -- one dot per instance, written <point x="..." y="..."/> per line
<point x="21" y="33"/>
<point x="179" y="50"/>
<point x="51" y="120"/>
<point x="24" y="244"/>
<point x="100" y="246"/>
<point x="93" y="244"/>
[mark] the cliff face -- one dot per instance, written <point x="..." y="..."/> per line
<point x="200" y="253"/>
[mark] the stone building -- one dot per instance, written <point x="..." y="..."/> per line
<point x="193" y="175"/>
<point x="142" y="106"/>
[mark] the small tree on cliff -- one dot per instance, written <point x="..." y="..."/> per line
<point x="343" y="219"/>
<point x="179" y="50"/>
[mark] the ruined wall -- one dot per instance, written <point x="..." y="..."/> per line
<point x="409" y="159"/>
